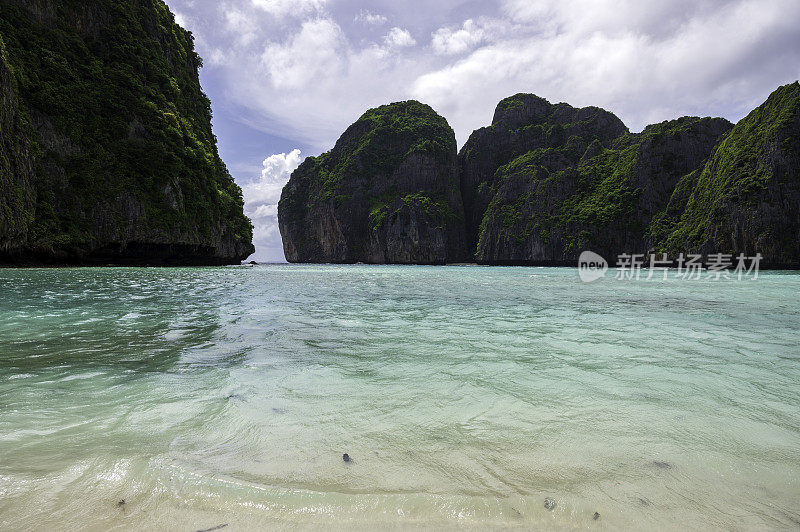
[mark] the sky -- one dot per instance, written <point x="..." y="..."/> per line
<point x="286" y="77"/>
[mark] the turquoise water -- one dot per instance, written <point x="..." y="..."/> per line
<point x="464" y="395"/>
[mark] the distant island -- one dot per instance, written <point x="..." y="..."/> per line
<point x="106" y="148"/>
<point x="545" y="182"/>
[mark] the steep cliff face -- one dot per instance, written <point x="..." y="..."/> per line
<point x="547" y="182"/>
<point x="387" y="192"/>
<point x="125" y="163"/>
<point x="526" y="124"/>
<point x="552" y="204"/>
<point x="16" y="165"/>
<point x="746" y="198"/>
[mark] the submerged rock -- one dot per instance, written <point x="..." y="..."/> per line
<point x="661" y="465"/>
<point x="218" y="527"/>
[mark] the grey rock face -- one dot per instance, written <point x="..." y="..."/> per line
<point x="107" y="150"/>
<point x="545" y="182"/>
<point x="386" y="193"/>
<point x="16" y="166"/>
<point x="523" y="124"/>
<point x="552" y="204"/>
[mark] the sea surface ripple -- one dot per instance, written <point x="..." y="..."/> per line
<point x="194" y="397"/>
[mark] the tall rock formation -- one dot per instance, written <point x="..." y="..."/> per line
<point x="546" y="182"/>
<point x="107" y="148"/>
<point x="551" y="204"/>
<point x="16" y="164"/>
<point x="387" y="192"/>
<point x="746" y="198"/>
<point x="527" y="124"/>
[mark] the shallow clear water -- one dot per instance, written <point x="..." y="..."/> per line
<point x="465" y="395"/>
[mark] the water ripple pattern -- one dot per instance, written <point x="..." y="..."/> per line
<point x="191" y="398"/>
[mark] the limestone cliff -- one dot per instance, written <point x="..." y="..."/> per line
<point x="545" y="182"/>
<point x="387" y="192"/>
<point x="16" y="165"/>
<point x="108" y="152"/>
<point x="550" y="205"/>
<point x="746" y="198"/>
<point x="526" y="124"/>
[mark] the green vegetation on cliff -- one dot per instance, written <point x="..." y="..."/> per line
<point x="552" y="203"/>
<point x="368" y="150"/>
<point x="16" y="166"/>
<point x="389" y="183"/>
<point x="125" y="151"/>
<point x="436" y="207"/>
<point x="528" y="136"/>
<point x="736" y="202"/>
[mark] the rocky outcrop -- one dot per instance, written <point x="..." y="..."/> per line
<point x="116" y="162"/>
<point x="16" y="165"/>
<point x="387" y="192"/>
<point x="546" y="182"/>
<point x="551" y="204"/>
<point x="746" y="198"/>
<point x="523" y="124"/>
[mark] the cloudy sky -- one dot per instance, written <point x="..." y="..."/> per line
<point x="286" y="77"/>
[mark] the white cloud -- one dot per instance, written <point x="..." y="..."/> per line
<point x="452" y="41"/>
<point x="242" y="25"/>
<point x="311" y="53"/>
<point x="399" y="38"/>
<point x="217" y="57"/>
<point x="181" y="19"/>
<point x="611" y="16"/>
<point x="648" y="63"/>
<point x="310" y="75"/>
<point x="238" y="20"/>
<point x="303" y="70"/>
<point x="290" y="8"/>
<point x="261" y="202"/>
<point x="369" y="18"/>
<point x="311" y="84"/>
